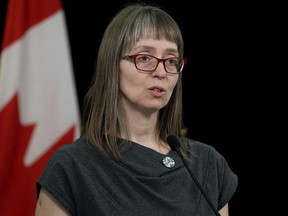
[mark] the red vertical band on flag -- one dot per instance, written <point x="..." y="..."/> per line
<point x="22" y="14"/>
<point x="38" y="104"/>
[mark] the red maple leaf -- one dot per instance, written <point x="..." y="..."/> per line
<point x="18" y="182"/>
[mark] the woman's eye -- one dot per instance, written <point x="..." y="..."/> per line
<point x="143" y="58"/>
<point x="172" y="61"/>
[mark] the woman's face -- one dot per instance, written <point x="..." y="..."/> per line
<point x="147" y="91"/>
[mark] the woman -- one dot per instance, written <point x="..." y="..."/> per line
<point x="122" y="163"/>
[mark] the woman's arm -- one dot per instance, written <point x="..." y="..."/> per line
<point x="47" y="205"/>
<point x="224" y="211"/>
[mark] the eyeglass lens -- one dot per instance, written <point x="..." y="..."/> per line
<point x="149" y="63"/>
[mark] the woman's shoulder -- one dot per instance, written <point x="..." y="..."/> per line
<point x="207" y="157"/>
<point x="196" y="146"/>
<point x="74" y="149"/>
<point x="79" y="142"/>
<point x="203" y="152"/>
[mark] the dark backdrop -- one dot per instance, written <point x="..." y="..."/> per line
<point x="229" y="100"/>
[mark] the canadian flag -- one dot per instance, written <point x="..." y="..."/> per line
<point x="38" y="100"/>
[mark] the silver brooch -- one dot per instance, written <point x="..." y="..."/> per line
<point x="168" y="162"/>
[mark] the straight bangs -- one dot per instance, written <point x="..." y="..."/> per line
<point x="152" y="24"/>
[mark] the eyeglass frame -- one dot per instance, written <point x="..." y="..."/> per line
<point x="134" y="56"/>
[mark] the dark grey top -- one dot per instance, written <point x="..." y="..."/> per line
<point x="86" y="182"/>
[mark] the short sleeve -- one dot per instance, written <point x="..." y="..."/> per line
<point x="57" y="180"/>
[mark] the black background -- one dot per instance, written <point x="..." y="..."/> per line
<point x="233" y="96"/>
